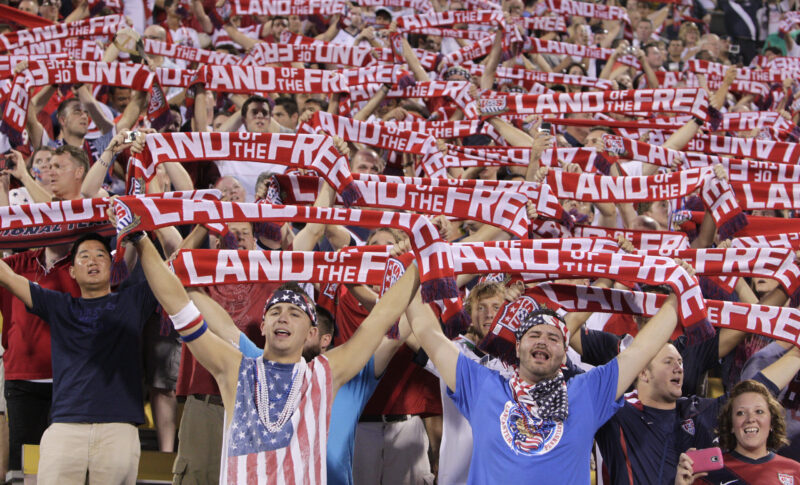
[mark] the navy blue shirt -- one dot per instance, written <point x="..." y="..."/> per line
<point x="600" y="347"/>
<point x="96" y="353"/>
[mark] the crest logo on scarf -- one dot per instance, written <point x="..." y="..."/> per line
<point x="688" y="426"/>
<point x="527" y="434"/>
<point x="786" y="479"/>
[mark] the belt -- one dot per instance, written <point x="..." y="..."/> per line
<point x="209" y="398"/>
<point x="384" y="418"/>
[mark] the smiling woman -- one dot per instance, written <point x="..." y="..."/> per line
<point x="751" y="429"/>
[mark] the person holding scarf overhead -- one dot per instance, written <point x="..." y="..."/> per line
<point x="536" y="422"/>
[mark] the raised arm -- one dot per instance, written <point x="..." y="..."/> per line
<point x="20" y="171"/>
<point x="442" y="352"/>
<point x="348" y="359"/>
<point x="19" y="286"/>
<point x="492" y="61"/>
<point x="220" y="358"/>
<point x="217" y="318"/>
<point x="647" y="343"/>
<point x="237" y="36"/>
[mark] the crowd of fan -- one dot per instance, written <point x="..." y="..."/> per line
<point x="82" y="356"/>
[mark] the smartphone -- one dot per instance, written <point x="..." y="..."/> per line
<point x="7" y="163"/>
<point x="706" y="460"/>
<point x="131" y="136"/>
<point x="545" y="127"/>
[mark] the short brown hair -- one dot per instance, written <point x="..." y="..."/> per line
<point x="777" y="429"/>
<point x="486" y="289"/>
<point x="78" y="156"/>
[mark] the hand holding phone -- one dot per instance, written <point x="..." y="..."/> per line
<point x="706" y="460"/>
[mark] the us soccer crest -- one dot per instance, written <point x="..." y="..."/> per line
<point x="786" y="479"/>
<point x="614" y="144"/>
<point x="688" y="426"/>
<point x="394" y="270"/>
<point x="527" y="434"/>
<point x="513" y="313"/>
<point x="127" y="221"/>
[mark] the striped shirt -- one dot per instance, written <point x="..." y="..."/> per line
<point x="295" y="454"/>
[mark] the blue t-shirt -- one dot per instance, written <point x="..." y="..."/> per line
<point x="508" y="446"/>
<point x="347" y="406"/>
<point x="96" y="353"/>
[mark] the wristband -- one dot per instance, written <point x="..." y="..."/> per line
<point x="189" y="317"/>
<point x="197" y="333"/>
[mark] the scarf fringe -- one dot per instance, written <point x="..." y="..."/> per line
<point x="438" y="289"/>
<point x="699" y="332"/>
<point x="499" y="347"/>
<point x="267" y="230"/>
<point x="733" y="225"/>
<point x="456" y="324"/>
<point x="602" y="164"/>
<point x="350" y="194"/>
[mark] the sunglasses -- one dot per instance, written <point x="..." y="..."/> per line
<point x="259" y="111"/>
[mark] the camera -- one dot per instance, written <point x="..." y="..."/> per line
<point x="131" y="137"/>
<point x="7" y="162"/>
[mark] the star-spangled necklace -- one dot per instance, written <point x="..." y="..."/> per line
<point x="262" y="396"/>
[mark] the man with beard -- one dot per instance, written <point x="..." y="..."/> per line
<point x="545" y="423"/>
<point x="482" y="304"/>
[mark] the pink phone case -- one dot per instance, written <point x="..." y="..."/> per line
<point x="706" y="460"/>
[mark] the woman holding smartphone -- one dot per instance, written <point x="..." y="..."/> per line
<point x="751" y="428"/>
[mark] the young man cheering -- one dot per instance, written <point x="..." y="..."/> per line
<point x="285" y="433"/>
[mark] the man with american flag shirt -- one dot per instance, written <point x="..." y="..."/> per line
<point x="277" y="408"/>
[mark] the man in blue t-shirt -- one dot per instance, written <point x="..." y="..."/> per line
<point x="536" y="424"/>
<point x="97" y="393"/>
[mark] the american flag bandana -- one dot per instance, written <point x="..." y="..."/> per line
<point x="541" y="318"/>
<point x="296" y="299"/>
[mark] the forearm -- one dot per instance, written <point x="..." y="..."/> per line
<point x="201" y="109"/>
<point x="513" y="135"/>
<point x="237" y="36"/>
<point x="706" y="233"/>
<point x="420" y="74"/>
<point x="178" y="176"/>
<point x="369" y="108"/>
<point x="193" y="240"/>
<point x="36" y="190"/>
<point x="782" y="371"/>
<point x="95" y="112"/>
<point x="492" y="61"/>
<point x="131" y="113"/>
<point x="165" y="285"/>
<point x="365" y="296"/>
<point x="217" y="318"/>
<point x="19" y="286"/>
<point x="97" y="173"/>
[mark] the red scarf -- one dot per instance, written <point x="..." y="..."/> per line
<point x="584" y="9"/>
<point x="685" y="100"/>
<point x="717" y="194"/>
<point x="328" y="53"/>
<point x="60" y="222"/>
<point x="781" y="323"/>
<point x="775" y="263"/>
<point x="82" y="28"/>
<point x="82" y="49"/>
<point x="314" y="152"/>
<point x="419" y="5"/>
<point x="432" y="254"/>
<point x="22" y="18"/>
<point x="502" y="209"/>
<point x="533" y="45"/>
<point x="641" y="240"/>
<point x="542" y="264"/>
<point x="187" y="53"/>
<point x="526" y="77"/>
<point x="261" y="79"/>
<point x="549" y="23"/>
<point x="288" y="7"/>
<point x="754" y="148"/>
<point x="545" y="202"/>
<point x="42" y="73"/>
<point x="450" y="17"/>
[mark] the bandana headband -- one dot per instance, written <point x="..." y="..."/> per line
<point x="294" y="298"/>
<point x="538" y="317"/>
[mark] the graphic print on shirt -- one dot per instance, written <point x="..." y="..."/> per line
<point x="527" y="434"/>
<point x="785" y="479"/>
